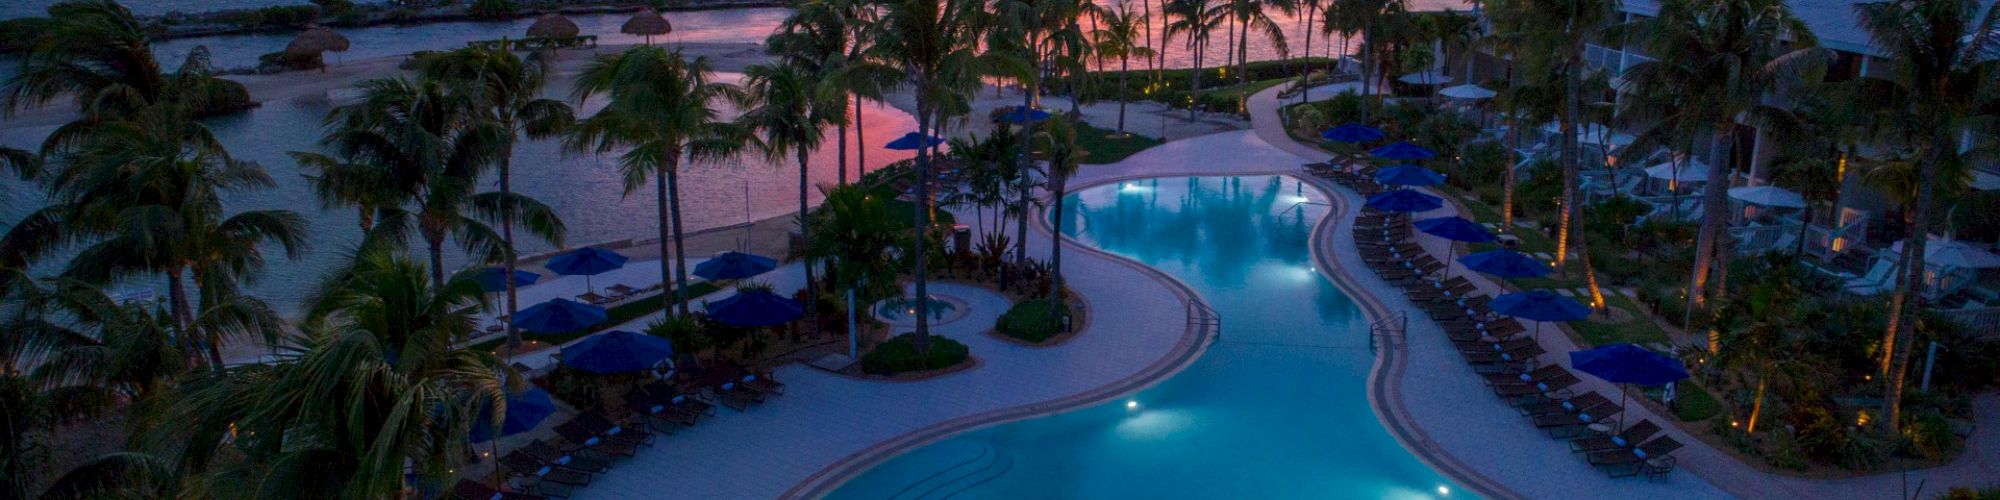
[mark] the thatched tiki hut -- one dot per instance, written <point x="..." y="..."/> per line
<point x="316" y="40"/>
<point x="647" y="23"/>
<point x="553" y="25"/>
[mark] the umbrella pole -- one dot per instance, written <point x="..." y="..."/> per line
<point x="853" y="337"/>
<point x="1622" y="396"/>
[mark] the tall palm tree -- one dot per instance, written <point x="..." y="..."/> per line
<point x="1717" y="58"/>
<point x="98" y="53"/>
<point x="1944" y="55"/>
<point x="1255" y="15"/>
<point x="1063" y="157"/>
<point x="510" y="92"/>
<point x="1195" y="22"/>
<point x="663" y="108"/>
<point x="821" y="38"/>
<point x="1120" y="38"/>
<point x="791" y="111"/>
<point x="1375" y="20"/>
<point x="935" y="45"/>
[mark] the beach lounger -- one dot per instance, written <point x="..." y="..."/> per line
<point x="1514" y="357"/>
<point x="1518" y="376"/>
<point x="682" y="402"/>
<point x="550" y="454"/>
<point x="581" y="437"/>
<point x="1570" y="424"/>
<point x="1632" y="460"/>
<point x="1514" y="393"/>
<point x="736" y="397"/>
<point x="467" y="489"/>
<point x="523" y="465"/>
<point x="1564" y="404"/>
<point x="656" y="413"/>
<point x="602" y="425"/>
<point x="1637" y="433"/>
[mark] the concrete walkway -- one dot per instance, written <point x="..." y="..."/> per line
<point x="1459" y="417"/>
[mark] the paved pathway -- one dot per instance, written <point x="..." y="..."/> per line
<point x="1459" y="417"/>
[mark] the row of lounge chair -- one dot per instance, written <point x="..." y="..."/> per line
<point x="1497" y="349"/>
<point x="593" y="441"/>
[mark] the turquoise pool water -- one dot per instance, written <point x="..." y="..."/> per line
<point x="1275" y="409"/>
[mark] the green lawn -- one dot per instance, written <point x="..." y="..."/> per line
<point x="1104" y="146"/>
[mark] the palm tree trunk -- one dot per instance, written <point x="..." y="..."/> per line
<point x="1243" y="53"/>
<point x="1148" y="6"/>
<point x="1895" y="342"/>
<point x="860" y="142"/>
<point x="1715" y="214"/>
<point x="183" y="315"/>
<point x="805" y="239"/>
<point x="435" y="243"/>
<point x="680" y="243"/>
<point x="1194" y="100"/>
<point x="507" y="235"/>
<point x="1124" y="68"/>
<point x="666" y="231"/>
<point x="1057" y="182"/>
<point x="1757" y="403"/>
<point x="842" y="132"/>
<point x="1022" y="185"/>
<point x="1305" y="61"/>
<point x="920" y="257"/>
<point x="1571" y="113"/>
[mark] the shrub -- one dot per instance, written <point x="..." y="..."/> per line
<point x="287" y="61"/>
<point x="900" y="355"/>
<point x="1033" y="321"/>
<point x="1694" y="404"/>
<point x="495" y="9"/>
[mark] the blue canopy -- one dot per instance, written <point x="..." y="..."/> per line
<point x="913" y="141"/>
<point x="1539" y="305"/>
<point x="494" y="279"/>
<point x="617" y="351"/>
<point x="734" y="265"/>
<point x="1404" y="200"/>
<point x="559" y="315"/>
<point x="524" y="411"/>
<point x="755" y="308"/>
<point x="1408" y="175"/>
<point x="1352" y="133"/>
<point x="1403" y="151"/>
<point x="1455" y="229"/>
<point x="1506" y="264"/>
<point x="586" y="261"/>
<point x="1022" y="114"/>
<point x="1628" y="364"/>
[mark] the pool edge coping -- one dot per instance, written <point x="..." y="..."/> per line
<point x="1193" y="342"/>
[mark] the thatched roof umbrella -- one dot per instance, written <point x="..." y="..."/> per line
<point x="553" y="25"/>
<point x="315" y="40"/>
<point x="647" y="23"/>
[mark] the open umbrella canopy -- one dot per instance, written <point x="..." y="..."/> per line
<point x="1403" y="151"/>
<point x="1352" y="133"/>
<point x="559" y="315"/>
<point x="1022" y="114"/>
<point x="754" y="308"/>
<point x="316" y="39"/>
<point x="1468" y="92"/>
<point x="1404" y="200"/>
<point x="1408" y="175"/>
<point x="647" y="22"/>
<point x="586" y="261"/>
<point x="1687" y="171"/>
<point x="1425" y="77"/>
<point x="1769" y="196"/>
<point x="525" y="410"/>
<point x="494" y="279"/>
<point x="617" y="351"/>
<point x="1506" y="264"/>
<point x="553" y="25"/>
<point x="1539" y="305"/>
<point x="1628" y="364"/>
<point x="913" y="141"/>
<point x="734" y="266"/>
<point x="1954" y="253"/>
<point x="1455" y="229"/>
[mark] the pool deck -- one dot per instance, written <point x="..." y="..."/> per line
<point x="1445" y="413"/>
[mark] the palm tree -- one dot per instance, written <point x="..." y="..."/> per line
<point x="510" y="90"/>
<point x="98" y="53"/>
<point x="662" y="108"/>
<point x="1195" y="22"/>
<point x="1255" y="15"/>
<point x="859" y="239"/>
<point x="822" y="38"/>
<point x="791" y="112"/>
<point x="1120" y="39"/>
<point x="935" y="45"/>
<point x="1760" y="328"/>
<point x="1063" y="157"/>
<point x="1718" y="58"/>
<point x="1943" y="66"/>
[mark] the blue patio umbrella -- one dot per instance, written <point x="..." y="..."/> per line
<point x="586" y="261"/>
<point x="1455" y="229"/>
<point x="559" y="315"/>
<point x="1507" y="264"/>
<point x="1404" y="200"/>
<point x="913" y="141"/>
<point x="1539" y="306"/>
<point x="494" y="279"/>
<point x="1020" y="115"/>
<point x="1403" y="151"/>
<point x="734" y="265"/>
<point x="1352" y="133"/>
<point x="754" y="308"/>
<point x="617" y="351"/>
<point x="1628" y="364"/>
<point x="1408" y="175"/>
<point x="525" y="410"/>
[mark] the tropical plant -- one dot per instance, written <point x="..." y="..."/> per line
<point x="859" y="240"/>
<point x="1945" y="54"/>
<point x="1195" y="22"/>
<point x="663" y="108"/>
<point x="1120" y="38"/>
<point x="98" y="53"/>
<point x="1255" y="15"/>
<point x="791" y="111"/>
<point x="1758" y="329"/>
<point x="1063" y="157"/>
<point x="823" y="38"/>
<point x="510" y="92"/>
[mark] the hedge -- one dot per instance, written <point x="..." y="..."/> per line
<point x="900" y="355"/>
<point x="1033" y="321"/>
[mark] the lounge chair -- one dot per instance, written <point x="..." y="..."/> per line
<point x="523" y="465"/>
<point x="736" y="397"/>
<point x="599" y="424"/>
<point x="1514" y="392"/>
<point x="1570" y="404"/>
<point x="581" y="437"/>
<point x="1637" y="433"/>
<point x="1569" y="424"/>
<point x="1518" y="377"/>
<point x="467" y="489"/>
<point x="1514" y="357"/>
<point x="1633" y="459"/>
<point x="684" y="403"/>
<point x="550" y="454"/>
<point x="762" y="383"/>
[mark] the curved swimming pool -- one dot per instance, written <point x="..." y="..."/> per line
<point x="1276" y="408"/>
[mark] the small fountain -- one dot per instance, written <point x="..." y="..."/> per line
<point x="903" y="310"/>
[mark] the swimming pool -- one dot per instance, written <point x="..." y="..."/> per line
<point x="1277" y="408"/>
